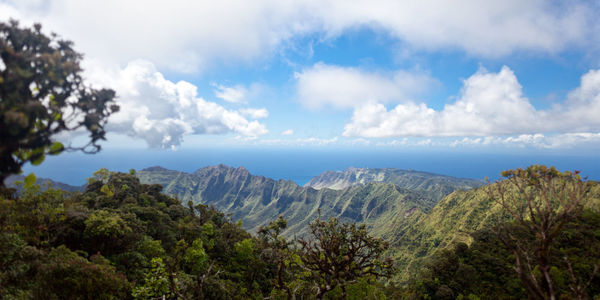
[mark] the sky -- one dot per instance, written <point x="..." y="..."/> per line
<point x="477" y="76"/>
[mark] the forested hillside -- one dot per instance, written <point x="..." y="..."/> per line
<point x="120" y="239"/>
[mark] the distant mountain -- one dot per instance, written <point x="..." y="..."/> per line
<point x="435" y="185"/>
<point x="257" y="200"/>
<point x="43" y="182"/>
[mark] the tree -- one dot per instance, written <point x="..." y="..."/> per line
<point x="340" y="254"/>
<point x="279" y="251"/>
<point x="541" y="201"/>
<point x="42" y="94"/>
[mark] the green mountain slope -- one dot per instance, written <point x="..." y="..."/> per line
<point x="435" y="185"/>
<point x="257" y="200"/>
<point x="450" y="221"/>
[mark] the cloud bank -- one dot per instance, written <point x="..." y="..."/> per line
<point x="490" y="104"/>
<point x="188" y="36"/>
<point x="162" y="112"/>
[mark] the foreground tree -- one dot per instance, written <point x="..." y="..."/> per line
<point x="42" y="94"/>
<point x="279" y="251"/>
<point x="541" y="200"/>
<point x="341" y="254"/>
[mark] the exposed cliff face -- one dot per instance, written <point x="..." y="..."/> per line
<point x="257" y="200"/>
<point x="435" y="185"/>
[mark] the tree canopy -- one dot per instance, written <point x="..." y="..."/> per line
<point x="42" y="94"/>
<point x="126" y="240"/>
<point x="541" y="201"/>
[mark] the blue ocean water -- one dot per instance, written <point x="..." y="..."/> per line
<point x="303" y="164"/>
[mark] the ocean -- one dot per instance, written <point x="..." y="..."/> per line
<point x="300" y="165"/>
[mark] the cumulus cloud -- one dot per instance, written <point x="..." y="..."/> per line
<point x="288" y="132"/>
<point x="490" y="104"/>
<point x="235" y="94"/>
<point x="162" y="112"/>
<point x="346" y="87"/>
<point x="190" y="35"/>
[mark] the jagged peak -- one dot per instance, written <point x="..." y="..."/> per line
<point x="240" y="168"/>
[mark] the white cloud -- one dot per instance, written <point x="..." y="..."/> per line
<point x="235" y="94"/>
<point x="288" y="132"/>
<point x="492" y="29"/>
<point x="538" y="140"/>
<point x="162" y="112"/>
<point x="190" y="35"/>
<point x="345" y="87"/>
<point x="582" y="107"/>
<point x="255" y="113"/>
<point x="490" y="104"/>
<point x="180" y="35"/>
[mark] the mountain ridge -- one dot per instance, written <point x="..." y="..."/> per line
<point x="257" y="199"/>
<point x="406" y="178"/>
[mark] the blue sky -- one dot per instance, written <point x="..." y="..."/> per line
<point x="472" y="75"/>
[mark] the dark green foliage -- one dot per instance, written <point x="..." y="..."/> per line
<point x="121" y="239"/>
<point x="42" y="94"/>
<point x="67" y="275"/>
<point x="115" y="238"/>
<point x="337" y="255"/>
<point x="336" y="261"/>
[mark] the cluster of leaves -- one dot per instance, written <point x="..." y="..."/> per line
<point x="121" y="239"/>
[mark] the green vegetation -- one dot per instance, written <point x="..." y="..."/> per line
<point x="545" y="200"/>
<point x="121" y="239"/>
<point x="533" y="235"/>
<point x="450" y="222"/>
<point x="486" y="267"/>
